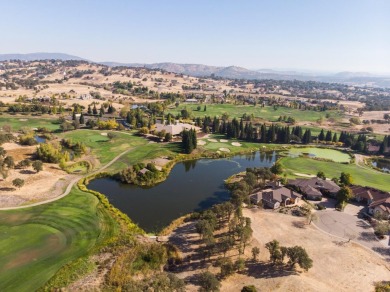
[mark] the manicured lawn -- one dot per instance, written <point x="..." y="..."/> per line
<point x="267" y="113"/>
<point x="19" y="122"/>
<point x="334" y="155"/>
<point x="36" y="242"/>
<point x="102" y="147"/>
<point x="145" y="152"/>
<point x="360" y="176"/>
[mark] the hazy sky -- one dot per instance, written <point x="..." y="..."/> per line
<point x="318" y="35"/>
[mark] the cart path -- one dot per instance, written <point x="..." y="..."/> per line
<point x="71" y="184"/>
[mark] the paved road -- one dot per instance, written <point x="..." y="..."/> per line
<point x="350" y="227"/>
<point x="71" y="184"/>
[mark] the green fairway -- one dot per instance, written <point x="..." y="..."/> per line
<point x="267" y="113"/>
<point x="331" y="154"/>
<point x="19" y="122"/>
<point x="360" y="176"/>
<point x="103" y="148"/>
<point x="36" y="242"/>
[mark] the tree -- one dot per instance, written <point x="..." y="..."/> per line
<point x="255" y="252"/>
<point x="208" y="282"/>
<point x="24" y="163"/>
<point x="168" y="137"/>
<point x="9" y="162"/>
<point x="249" y="288"/>
<point x="277" y="168"/>
<point x="205" y="108"/>
<point x="274" y="250"/>
<point x="94" y="110"/>
<point x="18" y="182"/>
<point x="298" y="255"/>
<point x="344" y="194"/>
<point x="321" y="175"/>
<point x="37" y="165"/>
<point x="239" y="265"/>
<point x="345" y="179"/>
<point x="227" y="268"/>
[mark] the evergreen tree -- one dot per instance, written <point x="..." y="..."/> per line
<point x="334" y="138"/>
<point x="94" y="111"/>
<point x="89" y="110"/>
<point x="321" y="136"/>
<point x="328" y="136"/>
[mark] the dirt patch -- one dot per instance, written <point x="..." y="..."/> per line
<point x="349" y="266"/>
<point x="48" y="183"/>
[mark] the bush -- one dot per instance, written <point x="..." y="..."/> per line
<point x="250" y="288"/>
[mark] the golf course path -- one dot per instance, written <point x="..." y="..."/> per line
<point x="71" y="184"/>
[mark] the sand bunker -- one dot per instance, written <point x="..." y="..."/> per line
<point x="223" y="140"/>
<point x="213" y="140"/>
<point x="23" y="120"/>
<point x="201" y="142"/>
<point x="103" y="134"/>
<point x="236" y="144"/>
<point x="224" y="149"/>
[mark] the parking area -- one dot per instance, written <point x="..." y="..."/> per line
<point x="350" y="226"/>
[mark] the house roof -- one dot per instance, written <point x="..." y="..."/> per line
<point x="278" y="194"/>
<point x="311" y="191"/>
<point x="383" y="204"/>
<point x="369" y="193"/>
<point x="175" y="129"/>
<point x="373" y="148"/>
<point x="316" y="183"/>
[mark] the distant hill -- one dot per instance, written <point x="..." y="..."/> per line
<point x="232" y="72"/>
<point x="39" y="56"/>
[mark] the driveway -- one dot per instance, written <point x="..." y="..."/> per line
<point x="348" y="226"/>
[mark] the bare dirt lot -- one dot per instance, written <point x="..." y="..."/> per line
<point x="48" y="183"/>
<point x="337" y="265"/>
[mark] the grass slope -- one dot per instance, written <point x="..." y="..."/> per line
<point x="360" y="176"/>
<point x="266" y="113"/>
<point x="334" y="155"/>
<point x="19" y="122"/>
<point x="36" y="242"/>
<point x="102" y="147"/>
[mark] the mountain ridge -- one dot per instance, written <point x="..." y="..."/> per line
<point x="231" y="72"/>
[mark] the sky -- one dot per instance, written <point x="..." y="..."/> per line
<point x="311" y="35"/>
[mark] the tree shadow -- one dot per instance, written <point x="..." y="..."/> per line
<point x="299" y="224"/>
<point x="268" y="270"/>
<point x="6" y="189"/>
<point x="27" y="171"/>
<point x="384" y="251"/>
<point x="367" y="236"/>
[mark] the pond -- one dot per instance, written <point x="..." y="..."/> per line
<point x="335" y="155"/>
<point x="191" y="186"/>
<point x="383" y="164"/>
<point x="40" y="139"/>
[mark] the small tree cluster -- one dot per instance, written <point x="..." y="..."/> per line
<point x="295" y="255"/>
<point x="189" y="140"/>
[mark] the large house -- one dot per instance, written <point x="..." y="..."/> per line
<point x="368" y="195"/>
<point x="314" y="188"/>
<point x="377" y="201"/>
<point x="175" y="129"/>
<point x="275" y="197"/>
<point x="381" y="207"/>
